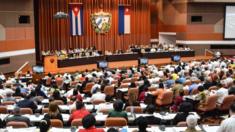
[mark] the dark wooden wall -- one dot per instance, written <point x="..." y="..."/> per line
<point x="55" y="34"/>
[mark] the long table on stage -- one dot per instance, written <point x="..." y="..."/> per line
<point x="79" y="61"/>
<point x="54" y="65"/>
<point x="121" y="57"/>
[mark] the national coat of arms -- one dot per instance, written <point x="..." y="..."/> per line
<point x="101" y="21"/>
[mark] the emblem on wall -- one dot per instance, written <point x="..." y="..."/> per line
<point x="101" y="21"/>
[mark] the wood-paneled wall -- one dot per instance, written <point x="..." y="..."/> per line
<point x="55" y="34"/>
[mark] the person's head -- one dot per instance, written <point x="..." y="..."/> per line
<point x="112" y="130"/>
<point x="79" y="105"/>
<point x="8" y="95"/>
<point x="132" y="98"/>
<point x="118" y="105"/>
<point x="88" y="121"/>
<point x="200" y="88"/>
<point x="53" y="108"/>
<point x="161" y="85"/>
<point x="186" y="107"/>
<point x="232" y="109"/>
<point x="191" y="121"/>
<point x="142" y="123"/>
<point x="150" y="109"/>
<point x="18" y="91"/>
<point x="16" y="110"/>
<point x="75" y="92"/>
<point x="44" y="125"/>
<point x="56" y="94"/>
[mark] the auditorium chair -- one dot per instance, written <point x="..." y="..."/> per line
<point x="104" y="111"/>
<point x="45" y="110"/>
<point x="134" y="91"/>
<point x="8" y="103"/>
<point x="58" y="102"/>
<point x="109" y="90"/>
<point x="227" y="102"/>
<point x="124" y="85"/>
<point x="17" y="124"/>
<point x="181" y="124"/>
<point x="127" y="80"/>
<point x="209" y="105"/>
<point x="114" y="82"/>
<point x="56" y="123"/>
<point x="26" y="111"/>
<point x="136" y="109"/>
<point x="165" y="99"/>
<point x="115" y="122"/>
<point x="76" y="122"/>
<point x="88" y="87"/>
<point x="194" y="91"/>
<point x="3" y="110"/>
<point x="135" y="79"/>
<point x="151" y="89"/>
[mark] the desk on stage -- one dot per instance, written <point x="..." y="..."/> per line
<point x="54" y="65"/>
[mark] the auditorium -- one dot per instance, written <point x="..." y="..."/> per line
<point x="117" y="65"/>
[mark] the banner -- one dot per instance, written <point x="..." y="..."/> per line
<point x="76" y="19"/>
<point x="124" y="20"/>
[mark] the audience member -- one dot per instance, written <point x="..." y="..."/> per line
<point x="88" y="123"/>
<point x="191" y="124"/>
<point x="54" y="112"/>
<point x="18" y="117"/>
<point x="227" y="125"/>
<point x="118" y="110"/>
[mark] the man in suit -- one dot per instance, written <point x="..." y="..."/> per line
<point x="27" y="103"/>
<point x="17" y="117"/>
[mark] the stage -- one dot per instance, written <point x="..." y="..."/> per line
<point x="53" y="65"/>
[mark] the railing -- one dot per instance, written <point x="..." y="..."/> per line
<point x="209" y="52"/>
<point x="23" y="69"/>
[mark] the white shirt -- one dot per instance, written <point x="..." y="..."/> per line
<point x="94" y="87"/>
<point x="227" y="125"/>
<point x="221" y="93"/>
<point x="98" y="96"/>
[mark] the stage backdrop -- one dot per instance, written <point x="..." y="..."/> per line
<point x="54" y="34"/>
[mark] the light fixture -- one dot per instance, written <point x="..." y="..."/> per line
<point x="60" y="14"/>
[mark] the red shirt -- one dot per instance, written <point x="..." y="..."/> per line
<point x="91" y="129"/>
<point x="79" y="114"/>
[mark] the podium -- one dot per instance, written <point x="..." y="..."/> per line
<point x="50" y="64"/>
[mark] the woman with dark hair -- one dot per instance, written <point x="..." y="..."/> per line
<point x="56" y="96"/>
<point x="142" y="124"/>
<point x="54" y="112"/>
<point x="118" y="110"/>
<point x="184" y="110"/>
<point x="88" y="123"/>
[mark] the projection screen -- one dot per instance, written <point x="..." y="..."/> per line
<point x="229" y="23"/>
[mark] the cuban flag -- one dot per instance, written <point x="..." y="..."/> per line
<point x="124" y="20"/>
<point x="76" y="19"/>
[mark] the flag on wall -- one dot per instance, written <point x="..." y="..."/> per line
<point x="124" y="20"/>
<point x="76" y="19"/>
